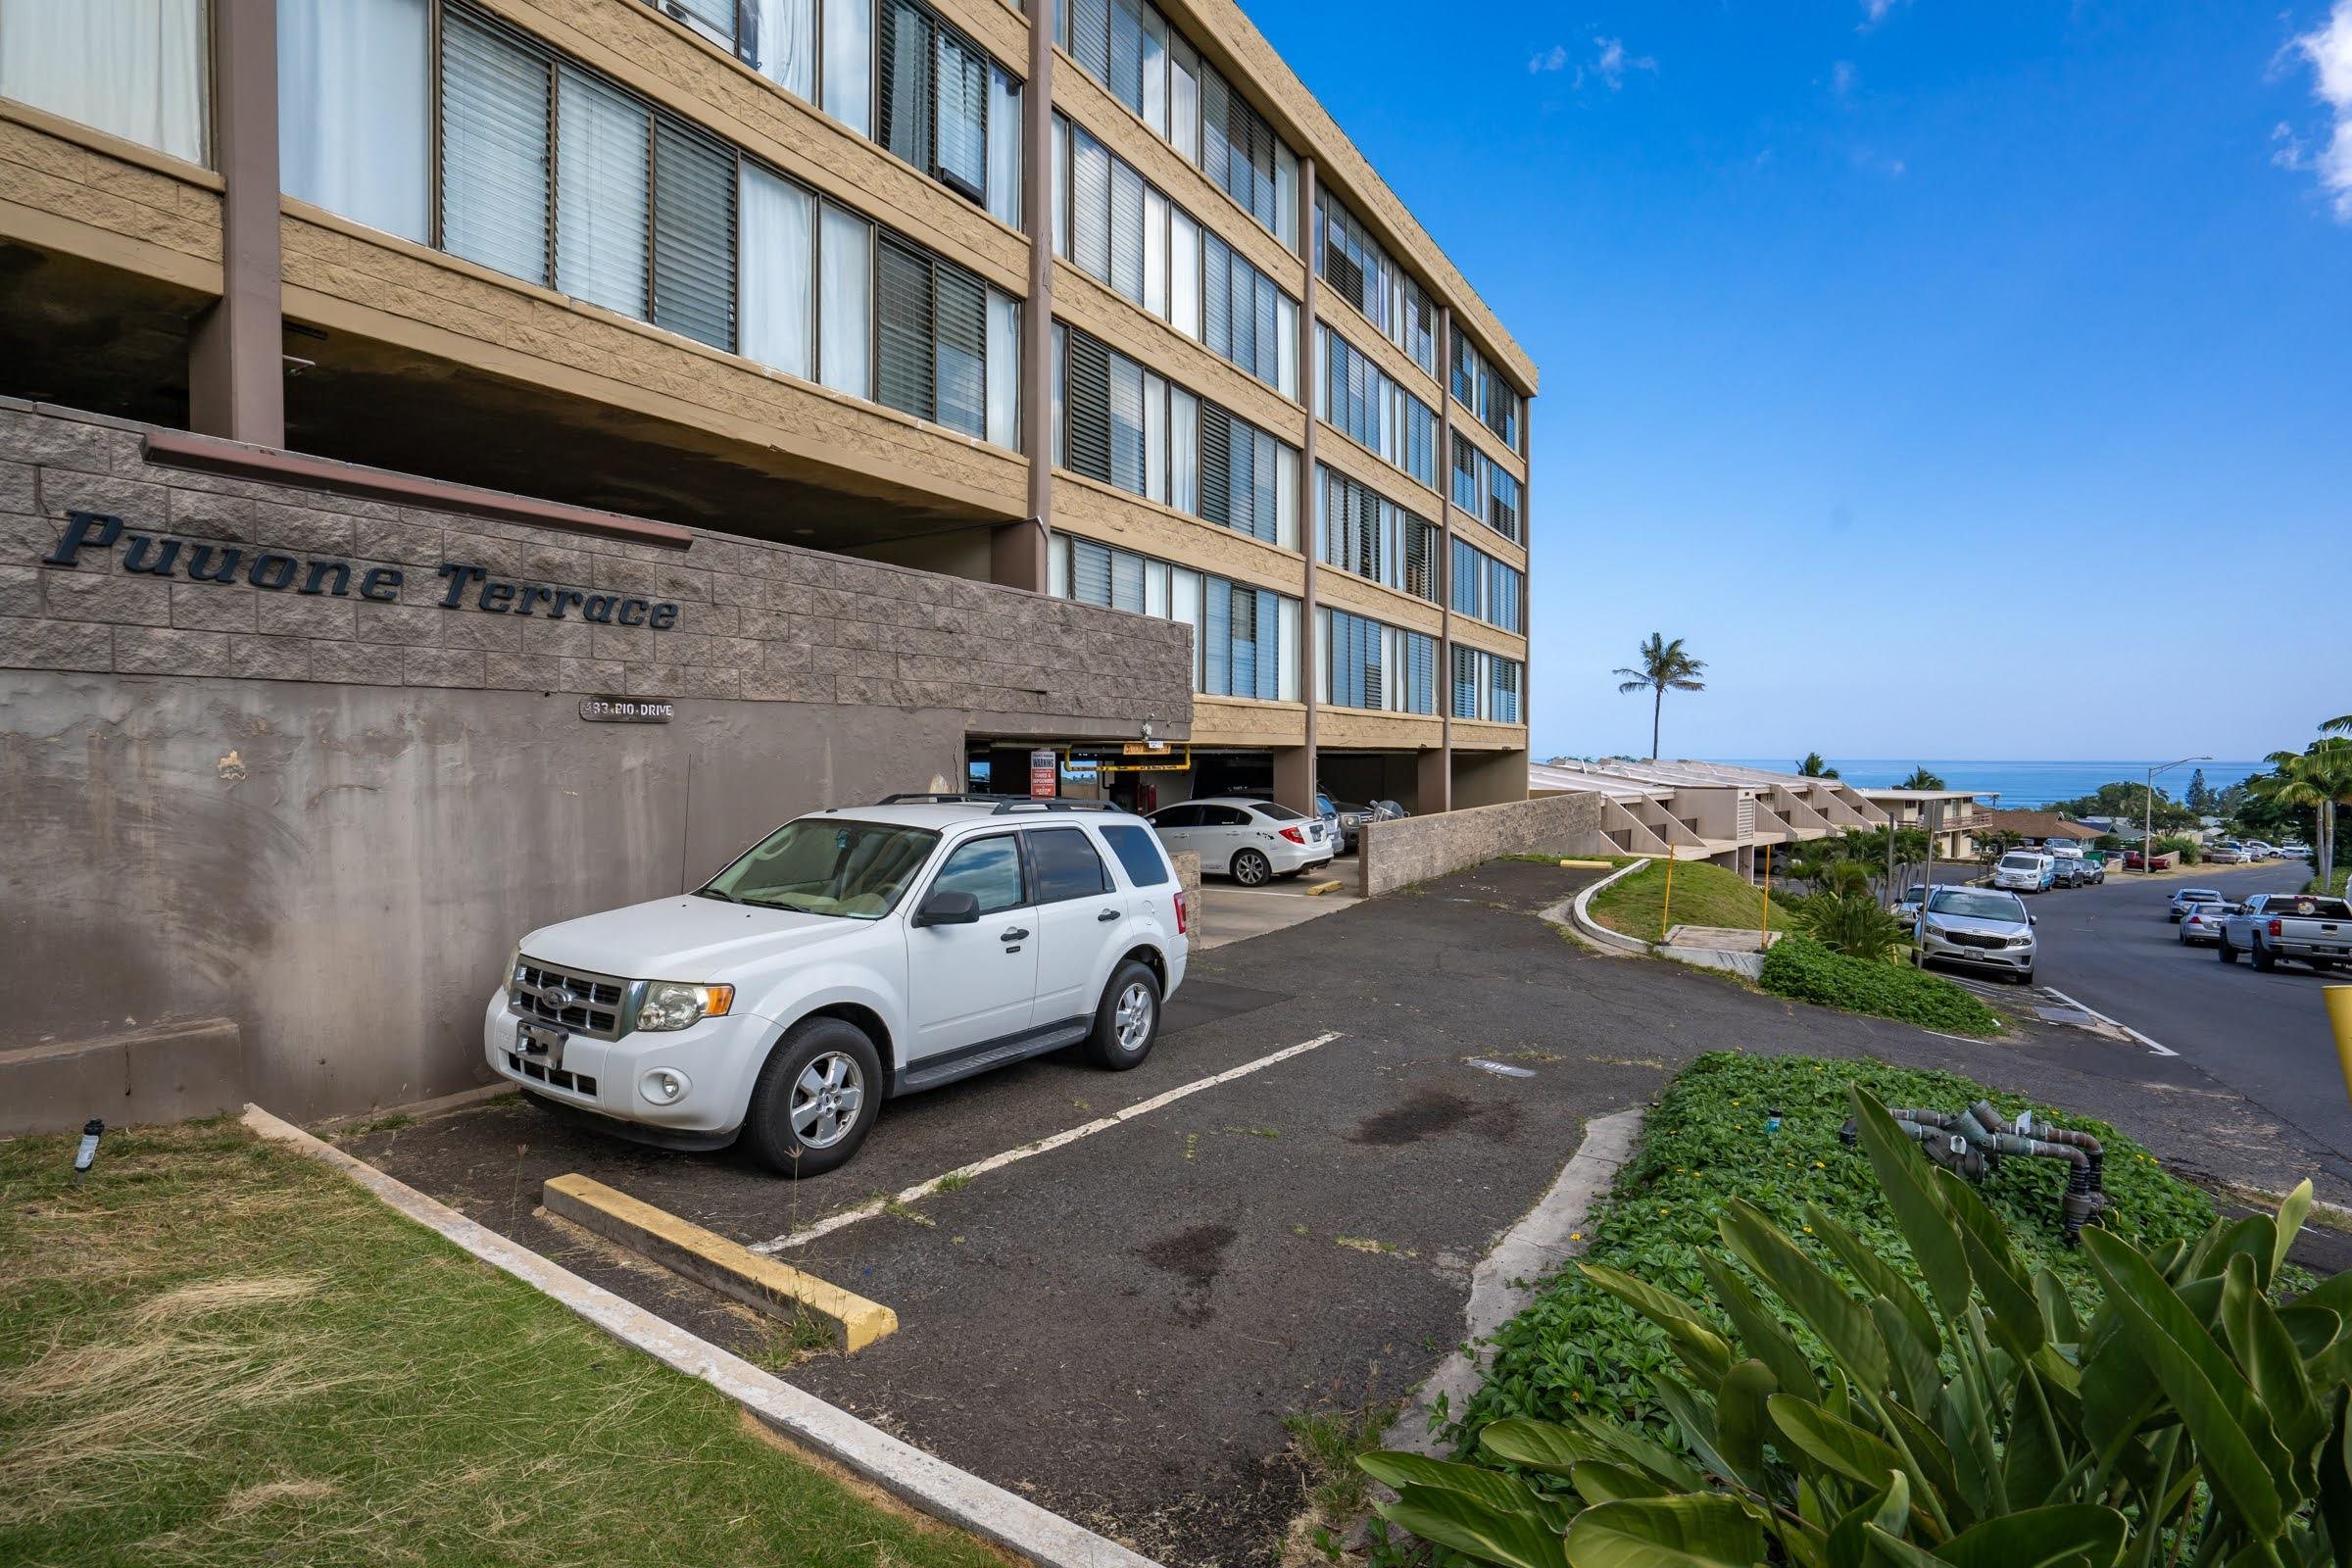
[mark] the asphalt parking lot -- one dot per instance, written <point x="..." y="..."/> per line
<point x="1117" y="1325"/>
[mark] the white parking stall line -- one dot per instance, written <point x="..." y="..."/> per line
<point x="2161" y="1050"/>
<point x="963" y="1173"/>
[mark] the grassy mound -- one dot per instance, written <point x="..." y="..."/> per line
<point x="1703" y="895"/>
<point x="1803" y="970"/>
<point x="1576" y="1348"/>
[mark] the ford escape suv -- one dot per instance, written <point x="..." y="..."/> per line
<point x="852" y="955"/>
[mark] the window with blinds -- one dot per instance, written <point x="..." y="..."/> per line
<point x="1364" y="532"/>
<point x="1146" y="62"/>
<point x="931" y="338"/>
<point x="1480" y="388"/>
<point x="1245" y="638"/>
<point x="1507" y="675"/>
<point x="1361" y="399"/>
<point x="903" y="58"/>
<point x="1364" y="274"/>
<point x="1126" y="427"/>
<point x="712" y="19"/>
<point x="601" y="195"/>
<point x="494" y="147"/>
<point x="694" y="234"/>
<point x="1465" y="681"/>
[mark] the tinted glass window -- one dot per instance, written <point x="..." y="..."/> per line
<point x="1279" y="812"/>
<point x="1139" y="853"/>
<point x="1067" y="866"/>
<point x="1177" y="816"/>
<point x="1224" y="816"/>
<point x="989" y="869"/>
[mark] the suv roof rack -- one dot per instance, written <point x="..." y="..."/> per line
<point x="1009" y="805"/>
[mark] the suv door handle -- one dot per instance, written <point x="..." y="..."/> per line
<point x="1016" y="934"/>
<point x="1108" y="914"/>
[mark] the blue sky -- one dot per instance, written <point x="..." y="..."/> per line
<point x="1927" y="366"/>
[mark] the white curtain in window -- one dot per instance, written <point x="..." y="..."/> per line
<point x="134" y="68"/>
<point x="777" y="258"/>
<point x="846" y="305"/>
<point x="849" y="45"/>
<point x="354" y="110"/>
<point x="1155" y="438"/>
<point x="600" y="193"/>
<point x="1156" y="253"/>
<point x="1184" y="451"/>
<point x="1004" y="370"/>
<point x="782" y="44"/>
<point x="1004" y="146"/>
<point x="1184" y="274"/>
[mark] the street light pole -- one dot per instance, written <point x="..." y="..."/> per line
<point x="2147" y="830"/>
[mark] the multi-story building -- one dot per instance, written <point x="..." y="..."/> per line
<point x="1093" y="299"/>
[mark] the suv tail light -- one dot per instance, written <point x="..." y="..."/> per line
<point x="1293" y="835"/>
<point x="1181" y="911"/>
<point x="2277" y="928"/>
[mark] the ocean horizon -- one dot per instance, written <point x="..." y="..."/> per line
<point x="2020" y="783"/>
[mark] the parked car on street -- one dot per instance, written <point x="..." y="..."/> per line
<point x="1980" y="928"/>
<point x="852" y="955"/>
<point x="1324" y="808"/>
<point x="2256" y="850"/>
<point x="1353" y="816"/>
<point x="2024" y="871"/>
<point x="2295" y="850"/>
<point x="1249" y="841"/>
<point x="2304" y="927"/>
<point x="2133" y="860"/>
<point x="2094" y="871"/>
<point x="2230" y="855"/>
<point x="2201" y="922"/>
<point x="2068" y="870"/>
<point x="2177" y="905"/>
<point x="1905" y="906"/>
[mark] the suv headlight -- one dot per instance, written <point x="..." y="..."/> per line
<point x="675" y="1004"/>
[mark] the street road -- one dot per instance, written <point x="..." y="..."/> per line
<point x="2265" y="1035"/>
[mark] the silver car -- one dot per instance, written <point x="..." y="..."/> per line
<point x="2202" y="922"/>
<point x="1249" y="841"/>
<point x="2177" y="905"/>
<point x="1980" y="928"/>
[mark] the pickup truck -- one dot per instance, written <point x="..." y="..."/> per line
<point x="2303" y="926"/>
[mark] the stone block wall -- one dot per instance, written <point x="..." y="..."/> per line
<point x="1403" y="851"/>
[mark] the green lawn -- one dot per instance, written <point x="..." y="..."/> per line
<point x="1703" y="895"/>
<point x="220" y="1351"/>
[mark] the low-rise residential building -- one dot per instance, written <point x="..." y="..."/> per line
<point x="1732" y="817"/>
<point x="1954" y="815"/>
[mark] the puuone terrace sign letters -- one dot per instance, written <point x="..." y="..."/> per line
<point x="466" y="586"/>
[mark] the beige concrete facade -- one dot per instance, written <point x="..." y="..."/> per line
<point x="546" y="394"/>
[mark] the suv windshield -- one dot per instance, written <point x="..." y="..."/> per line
<point x="824" y="865"/>
<point x="1978" y="906"/>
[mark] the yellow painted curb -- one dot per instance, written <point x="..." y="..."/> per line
<point x="713" y="1260"/>
<point x="1587" y="865"/>
<point x="1318" y="889"/>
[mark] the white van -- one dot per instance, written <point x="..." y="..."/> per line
<point x="2024" y="871"/>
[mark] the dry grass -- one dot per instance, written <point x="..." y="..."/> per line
<point x="218" y="1352"/>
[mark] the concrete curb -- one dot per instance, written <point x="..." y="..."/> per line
<point x="1580" y="913"/>
<point x="932" y="1484"/>
<point x="1746" y="965"/>
<point x="1504" y="1281"/>
<point x="776" y="1288"/>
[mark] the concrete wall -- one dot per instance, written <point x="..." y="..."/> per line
<point x="1414" y="849"/>
<point x="327" y="819"/>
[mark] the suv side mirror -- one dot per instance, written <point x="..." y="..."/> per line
<point x="2033" y="919"/>
<point x="947" y="906"/>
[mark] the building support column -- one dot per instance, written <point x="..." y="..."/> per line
<point x="1017" y="550"/>
<point x="1441" y="797"/>
<point x="236" y="363"/>
<point x="1296" y="773"/>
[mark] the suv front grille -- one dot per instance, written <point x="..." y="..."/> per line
<point x="590" y="1003"/>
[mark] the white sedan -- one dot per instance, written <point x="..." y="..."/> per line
<point x="1249" y="841"/>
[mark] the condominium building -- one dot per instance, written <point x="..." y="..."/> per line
<point x="1094" y="300"/>
<point x="465" y="463"/>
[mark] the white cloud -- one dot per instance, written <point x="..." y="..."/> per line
<point x="1608" y="65"/>
<point x="1841" y="78"/>
<point x="1875" y="12"/>
<point x="2328" y="48"/>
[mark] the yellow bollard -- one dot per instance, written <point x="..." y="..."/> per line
<point x="2339" y="1017"/>
<point x="1666" y="903"/>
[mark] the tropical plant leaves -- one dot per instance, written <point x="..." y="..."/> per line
<point x="1919" y="1209"/>
<point x="1691" y="1531"/>
<point x="1467" y="1525"/>
<point x="2042" y="1537"/>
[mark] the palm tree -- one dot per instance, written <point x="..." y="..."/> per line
<point x="2318" y="778"/>
<point x="1921" y="779"/>
<point x="1812" y="767"/>
<point x="1665" y="668"/>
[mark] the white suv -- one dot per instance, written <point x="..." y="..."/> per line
<point x="852" y="955"/>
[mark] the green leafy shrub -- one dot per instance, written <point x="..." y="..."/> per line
<point x="1803" y="970"/>
<point x="1963" y="1410"/>
<point x="1853" y="925"/>
<point x="2188" y="849"/>
<point x="1578" y="1348"/>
